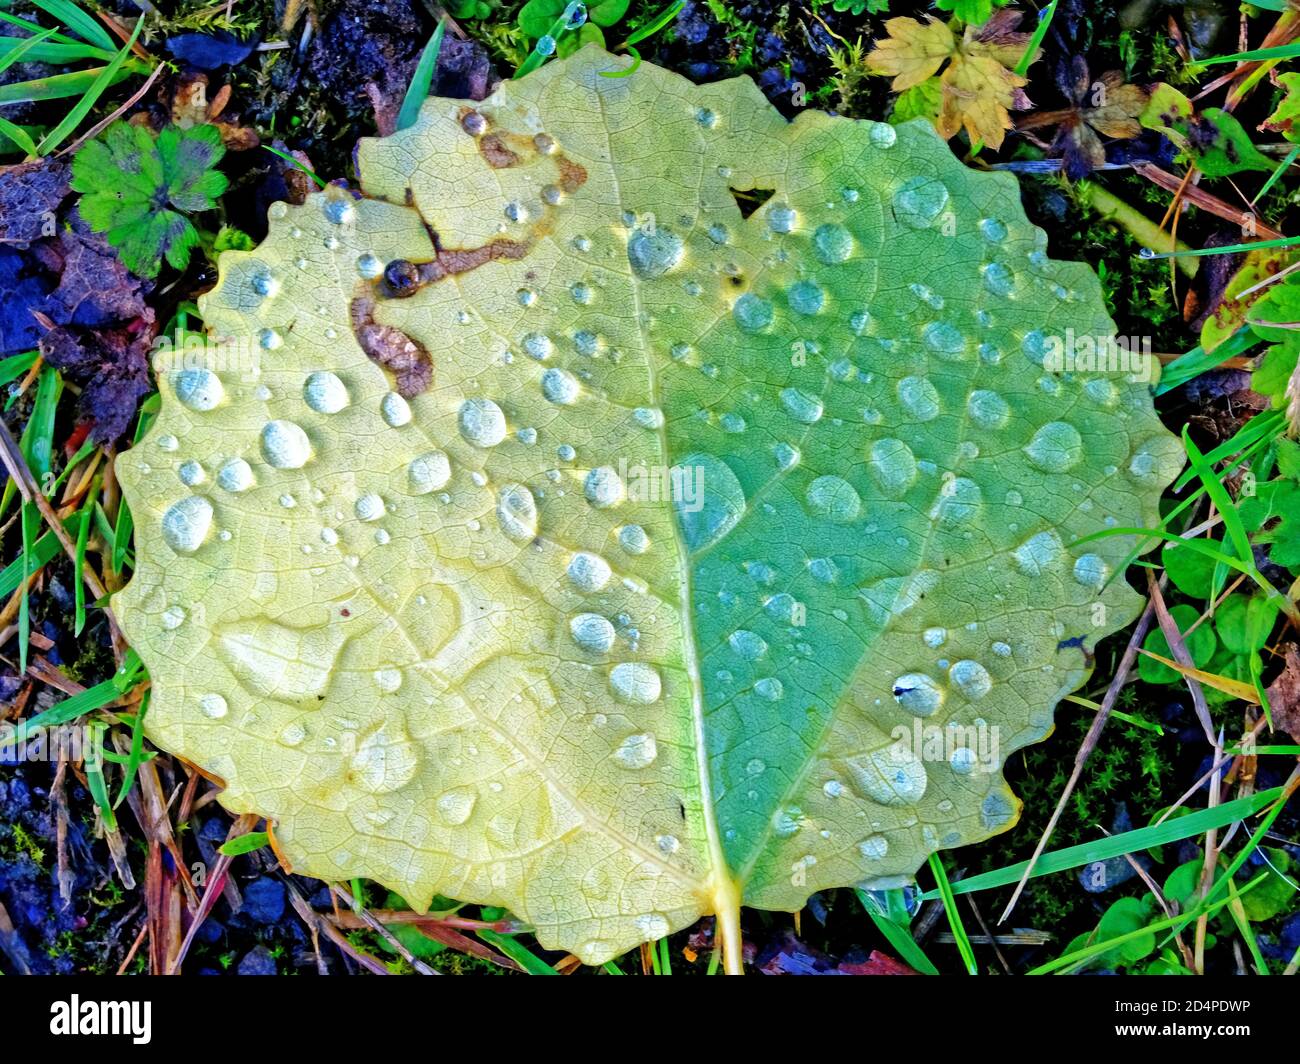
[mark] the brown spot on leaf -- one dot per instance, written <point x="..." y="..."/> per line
<point x="393" y="349"/>
<point x="572" y="176"/>
<point x="494" y="150"/>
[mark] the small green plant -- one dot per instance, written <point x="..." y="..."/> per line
<point x="137" y="189"/>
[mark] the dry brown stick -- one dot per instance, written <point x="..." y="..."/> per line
<point x="1178" y="648"/>
<point x="16" y="465"/>
<point x="319" y="923"/>
<point x="212" y="889"/>
<point x="383" y="932"/>
<point x="1086" y="747"/>
<point x="1207" y="871"/>
<point x="1188" y="193"/>
<point x="95" y="130"/>
<point x="1159" y="895"/>
<point x="135" y="946"/>
<point x="993" y="941"/>
<point x="1218" y="764"/>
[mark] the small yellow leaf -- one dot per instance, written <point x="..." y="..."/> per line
<point x="978" y="92"/>
<point x="912" y="52"/>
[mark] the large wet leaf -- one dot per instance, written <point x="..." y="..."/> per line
<point x="418" y="590"/>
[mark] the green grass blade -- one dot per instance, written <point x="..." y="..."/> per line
<point x="1223" y="502"/>
<point x="83" y="535"/>
<point x="1197" y="545"/>
<point x="95" y="779"/>
<point x="517" y="952"/>
<point x="1282" y="167"/>
<point x="43" y="551"/>
<point x="1071" y="960"/>
<point x="898" y="936"/>
<point x="242" y="844"/>
<point x="22" y="47"/>
<point x="47" y="51"/>
<point x="15" y="366"/>
<point x="954" y="917"/>
<point x="19" y="136"/>
<point x="1172" y="830"/>
<point x="1254" y="55"/>
<point x="656" y="24"/>
<point x="89" y="700"/>
<point x="73" y="118"/>
<point x="32" y="27"/>
<point x="30" y="519"/>
<point x="1197" y="361"/>
<point x="418" y="90"/>
<point x="61" y="86"/>
<point x="1227" y="249"/>
<point x="137" y="756"/>
<point x="82" y="24"/>
<point x="1262" y="427"/>
<point x="1040" y="31"/>
<point x="121" y="537"/>
<point x="320" y="181"/>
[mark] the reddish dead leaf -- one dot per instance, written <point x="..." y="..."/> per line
<point x="1284" y="695"/>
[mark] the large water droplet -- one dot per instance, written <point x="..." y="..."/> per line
<point x="803" y="406"/>
<point x="987" y="409"/>
<point x="285" y="445"/>
<point x="213" y="706"/>
<point x="971" y="678"/>
<point x="588" y="572"/>
<point x="834" y="498"/>
<point x="636" y="683"/>
<point x="560" y="386"/>
<point x="918" y="694"/>
<point x="999" y="279"/>
<point x="832" y="243"/>
<point x="945" y="340"/>
<point x="892" y="776"/>
<point x="482" y="422"/>
<point x="893" y="465"/>
<point x="714" y="504"/>
<point x="428" y="472"/>
<point x="806" y="297"/>
<point x="749" y="645"/>
<point x="1056" y="447"/>
<point x="1038" y="554"/>
<point x="919" y="398"/>
<point x="1091" y="571"/>
<point x="604" y="488"/>
<point x="882" y="135"/>
<point x="396" y="411"/>
<point x="324" y="392"/>
<point x="960" y="502"/>
<point x="874" y="847"/>
<point x="517" y="512"/>
<point x="752" y="313"/>
<point x="456" y="806"/>
<point x="186" y="524"/>
<point x="592" y="632"/>
<point x="386" y="759"/>
<point x="637" y="751"/>
<point x="235" y="475"/>
<point x="370" y="507"/>
<point x="919" y="201"/>
<point x="199" y="389"/>
<point x="633" y="539"/>
<point x="781" y="218"/>
<point x="653" y="250"/>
